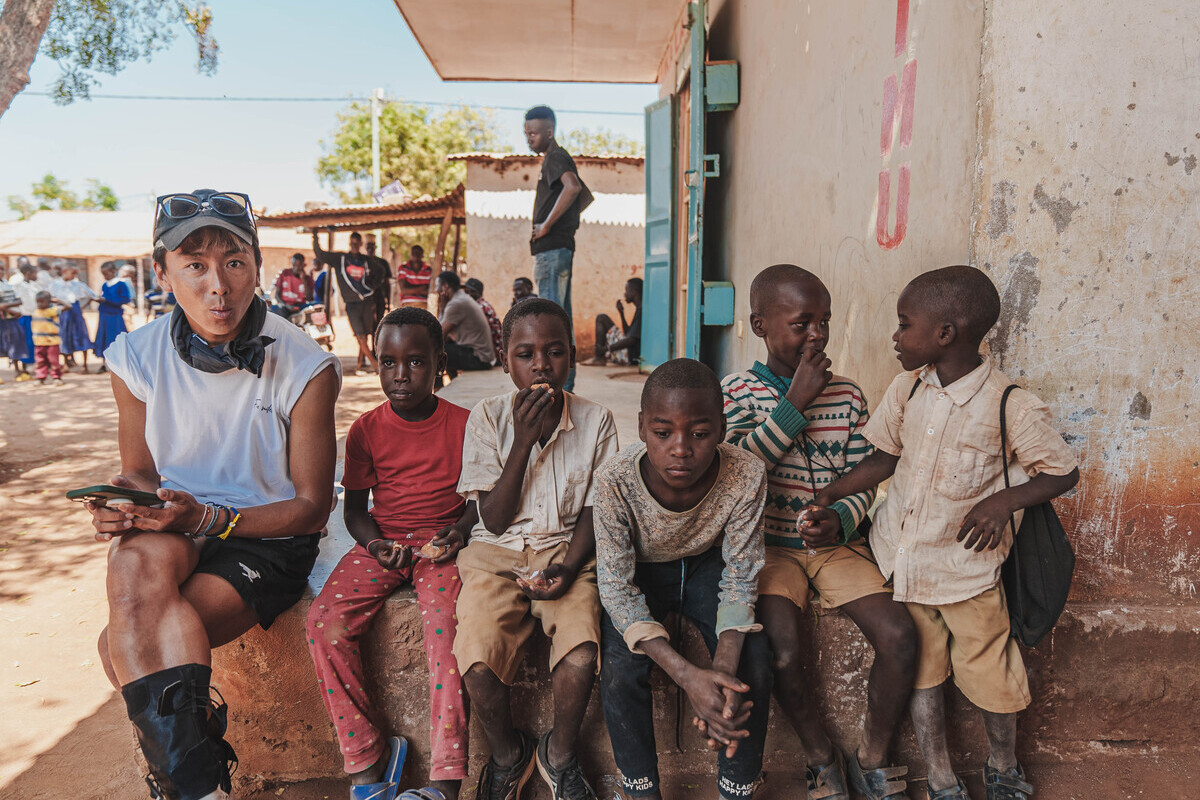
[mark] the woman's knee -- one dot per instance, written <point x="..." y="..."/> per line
<point x="140" y="575"/>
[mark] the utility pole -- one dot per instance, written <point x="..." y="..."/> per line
<point x="376" y="108"/>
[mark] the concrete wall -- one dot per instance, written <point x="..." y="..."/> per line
<point x="1086" y="205"/>
<point x="605" y="255"/>
<point x="801" y="158"/>
<point x="1050" y="146"/>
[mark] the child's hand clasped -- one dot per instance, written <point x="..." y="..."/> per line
<point x="389" y="554"/>
<point x="984" y="526"/>
<point x="819" y="527"/>
<point x="718" y="714"/>
<point x="557" y="579"/>
<point x="451" y="540"/>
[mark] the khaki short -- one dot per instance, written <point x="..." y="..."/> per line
<point x="835" y="575"/>
<point x="496" y="619"/>
<point x="971" y="641"/>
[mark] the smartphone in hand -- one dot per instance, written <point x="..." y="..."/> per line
<point x="107" y="495"/>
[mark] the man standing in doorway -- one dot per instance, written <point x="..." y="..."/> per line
<point x="557" y="204"/>
<point x="356" y="283"/>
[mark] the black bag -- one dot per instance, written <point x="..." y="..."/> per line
<point x="1037" y="573"/>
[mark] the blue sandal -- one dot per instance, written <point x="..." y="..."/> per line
<point x="387" y="788"/>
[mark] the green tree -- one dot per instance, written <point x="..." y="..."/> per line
<point x="100" y="197"/>
<point x="413" y="144"/>
<point x="86" y="37"/>
<point x="52" y="194"/>
<point x="600" y="141"/>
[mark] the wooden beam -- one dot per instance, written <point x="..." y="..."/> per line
<point x="439" y="253"/>
<point x="457" y="241"/>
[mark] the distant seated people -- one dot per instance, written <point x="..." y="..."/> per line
<point x="468" y="338"/>
<point x="522" y="290"/>
<point x="290" y="291"/>
<point x="621" y="345"/>
<point x="413" y="278"/>
<point x="474" y="287"/>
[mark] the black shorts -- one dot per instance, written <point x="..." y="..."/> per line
<point x="269" y="574"/>
<point x="362" y="317"/>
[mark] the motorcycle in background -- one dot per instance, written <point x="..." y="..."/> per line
<point x="314" y="320"/>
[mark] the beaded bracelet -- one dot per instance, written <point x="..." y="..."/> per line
<point x="211" y="522"/>
<point x="203" y="516"/>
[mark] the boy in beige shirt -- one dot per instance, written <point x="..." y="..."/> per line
<point x="943" y="532"/>
<point x="528" y="459"/>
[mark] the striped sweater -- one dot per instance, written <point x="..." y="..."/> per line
<point x="804" y="452"/>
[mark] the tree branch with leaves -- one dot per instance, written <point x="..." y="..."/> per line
<point x="87" y="37"/>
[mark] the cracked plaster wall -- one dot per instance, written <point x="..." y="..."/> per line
<point x="1087" y="218"/>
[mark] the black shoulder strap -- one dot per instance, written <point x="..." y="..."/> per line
<point x="1012" y="519"/>
<point x="1004" y="430"/>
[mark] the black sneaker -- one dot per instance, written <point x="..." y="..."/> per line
<point x="567" y="783"/>
<point x="507" y="783"/>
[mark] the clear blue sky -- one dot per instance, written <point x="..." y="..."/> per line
<point x="269" y="48"/>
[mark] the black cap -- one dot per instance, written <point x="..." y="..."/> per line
<point x="171" y="231"/>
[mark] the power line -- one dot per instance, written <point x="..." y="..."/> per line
<point x="346" y="99"/>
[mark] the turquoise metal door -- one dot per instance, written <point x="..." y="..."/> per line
<point x="659" y="281"/>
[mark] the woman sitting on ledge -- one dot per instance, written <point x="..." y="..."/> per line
<point x="226" y="412"/>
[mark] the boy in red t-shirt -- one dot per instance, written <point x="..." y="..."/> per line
<point x="407" y="454"/>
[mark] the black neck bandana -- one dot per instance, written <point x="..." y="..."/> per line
<point x="246" y="351"/>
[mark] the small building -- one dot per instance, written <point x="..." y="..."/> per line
<point x="609" y="245"/>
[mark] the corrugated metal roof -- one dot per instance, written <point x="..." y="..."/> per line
<point x="606" y="209"/>
<point x="530" y="158"/>
<point x="120" y="234"/>
<point x="368" y="216"/>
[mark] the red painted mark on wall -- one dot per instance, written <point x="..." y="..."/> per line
<point x="895" y="133"/>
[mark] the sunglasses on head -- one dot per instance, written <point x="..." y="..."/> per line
<point x="233" y="205"/>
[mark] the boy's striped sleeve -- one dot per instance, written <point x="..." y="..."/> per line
<point x="768" y="437"/>
<point x="853" y="509"/>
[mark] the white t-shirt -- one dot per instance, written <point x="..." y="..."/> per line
<point x="222" y="437"/>
<point x="26" y="293"/>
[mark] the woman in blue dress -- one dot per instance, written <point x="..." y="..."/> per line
<point x="72" y="328"/>
<point x="114" y="296"/>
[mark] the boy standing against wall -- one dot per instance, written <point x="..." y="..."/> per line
<point x="944" y="530"/>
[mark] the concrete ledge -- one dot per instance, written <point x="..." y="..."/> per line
<point x="1107" y="679"/>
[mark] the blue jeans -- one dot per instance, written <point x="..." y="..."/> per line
<point x="552" y="274"/>
<point x="690" y="587"/>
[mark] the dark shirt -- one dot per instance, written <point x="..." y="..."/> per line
<point x="549" y="187"/>
<point x="634" y="334"/>
<point x="356" y="279"/>
<point x="319" y="287"/>
<point x="381" y="278"/>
